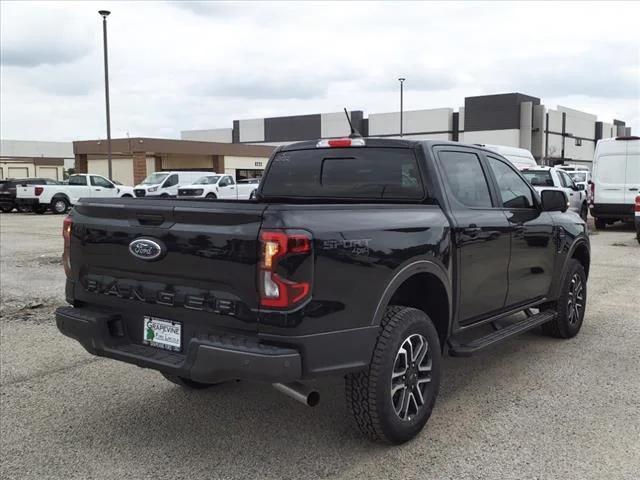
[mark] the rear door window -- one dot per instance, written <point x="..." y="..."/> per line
<point x="465" y="178"/>
<point x="350" y="173"/>
<point x="79" y="180"/>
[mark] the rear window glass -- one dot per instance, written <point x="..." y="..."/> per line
<point x="538" y="178"/>
<point x="360" y="173"/>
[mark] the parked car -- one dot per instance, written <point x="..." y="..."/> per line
<point x="217" y="186"/>
<point x="8" y="190"/>
<point x="520" y="157"/>
<point x="545" y="178"/>
<point x="363" y="258"/>
<point x="637" y="217"/>
<point x="58" y="198"/>
<point x="253" y="181"/>
<point x="616" y="180"/>
<point x="166" y="184"/>
<point x="580" y="174"/>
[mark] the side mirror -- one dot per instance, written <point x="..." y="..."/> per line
<point x="554" y="201"/>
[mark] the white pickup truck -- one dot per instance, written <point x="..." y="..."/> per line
<point x="552" y="178"/>
<point x="219" y="186"/>
<point x="58" y="198"/>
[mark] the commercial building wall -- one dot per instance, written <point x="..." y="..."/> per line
<point x="25" y="169"/>
<point x="223" y="135"/>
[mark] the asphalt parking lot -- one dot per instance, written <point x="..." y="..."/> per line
<point x="534" y="407"/>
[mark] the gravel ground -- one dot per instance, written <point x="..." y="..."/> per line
<point x="534" y="407"/>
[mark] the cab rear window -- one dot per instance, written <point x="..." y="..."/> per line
<point x="350" y="173"/>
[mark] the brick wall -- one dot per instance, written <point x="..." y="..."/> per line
<point x="139" y="167"/>
<point x="81" y="165"/>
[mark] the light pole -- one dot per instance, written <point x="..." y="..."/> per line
<point x="105" y="14"/>
<point x="401" y="80"/>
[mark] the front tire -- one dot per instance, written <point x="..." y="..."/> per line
<point x="571" y="305"/>
<point x="392" y="400"/>
<point x="211" y="196"/>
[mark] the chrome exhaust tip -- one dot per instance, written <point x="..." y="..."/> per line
<point x="299" y="392"/>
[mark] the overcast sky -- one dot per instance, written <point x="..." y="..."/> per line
<point x="188" y="65"/>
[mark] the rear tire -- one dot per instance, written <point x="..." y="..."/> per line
<point x="600" y="223"/>
<point x="39" y="209"/>
<point x="6" y="209"/>
<point x="187" y="382"/>
<point x="392" y="400"/>
<point x="59" y="205"/>
<point x="571" y="305"/>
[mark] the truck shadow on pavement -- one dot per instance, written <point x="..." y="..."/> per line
<point x="236" y="424"/>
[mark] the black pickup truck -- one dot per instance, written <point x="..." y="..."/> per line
<point x="365" y="258"/>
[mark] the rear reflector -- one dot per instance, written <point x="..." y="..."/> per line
<point x="341" y="143"/>
<point x="38" y="191"/>
<point x="637" y="209"/>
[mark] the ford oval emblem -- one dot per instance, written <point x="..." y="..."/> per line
<point x="146" y="249"/>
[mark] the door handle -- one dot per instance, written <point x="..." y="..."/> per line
<point x="472" y="230"/>
<point x="633" y="189"/>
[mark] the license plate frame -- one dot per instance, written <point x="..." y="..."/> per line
<point x="162" y="333"/>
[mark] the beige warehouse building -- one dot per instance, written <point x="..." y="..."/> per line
<point x="135" y="158"/>
<point x="26" y="158"/>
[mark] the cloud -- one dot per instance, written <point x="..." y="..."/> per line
<point x="30" y="39"/>
<point x="607" y="71"/>
<point x="183" y="65"/>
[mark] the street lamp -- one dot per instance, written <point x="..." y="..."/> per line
<point x="401" y="80"/>
<point x="105" y="14"/>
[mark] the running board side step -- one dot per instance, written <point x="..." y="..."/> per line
<point x="497" y="336"/>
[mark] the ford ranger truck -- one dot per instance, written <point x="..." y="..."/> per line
<point x="364" y="258"/>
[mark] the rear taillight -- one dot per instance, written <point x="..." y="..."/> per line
<point x="637" y="209"/>
<point x="38" y="191"/>
<point x="341" y="143"/>
<point x="67" y="226"/>
<point x="285" y="272"/>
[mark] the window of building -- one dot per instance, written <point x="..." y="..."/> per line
<point x="465" y="178"/>
<point x="514" y="191"/>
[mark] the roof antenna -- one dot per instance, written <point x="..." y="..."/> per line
<point x="354" y="133"/>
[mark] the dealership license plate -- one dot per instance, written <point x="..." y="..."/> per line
<point x="165" y="334"/>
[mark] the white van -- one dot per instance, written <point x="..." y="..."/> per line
<point x="164" y="184"/>
<point x="616" y="180"/>
<point x="519" y="157"/>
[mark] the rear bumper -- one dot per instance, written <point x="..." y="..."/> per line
<point x="213" y="357"/>
<point x="613" y="211"/>
<point x="28" y="202"/>
<point x="206" y="358"/>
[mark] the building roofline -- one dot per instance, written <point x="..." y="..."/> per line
<point x="169" y="146"/>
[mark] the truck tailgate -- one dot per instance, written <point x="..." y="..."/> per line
<point x="205" y="270"/>
<point x="26" y="191"/>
